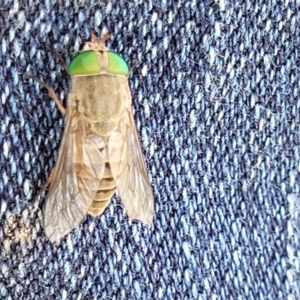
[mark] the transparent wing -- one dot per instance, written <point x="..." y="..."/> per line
<point x="129" y="171"/>
<point x="78" y="171"/>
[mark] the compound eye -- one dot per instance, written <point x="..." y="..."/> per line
<point x="116" y="64"/>
<point x="85" y="63"/>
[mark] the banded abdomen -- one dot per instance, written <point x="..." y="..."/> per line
<point x="106" y="190"/>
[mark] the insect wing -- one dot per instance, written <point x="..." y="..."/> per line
<point x="78" y="171"/>
<point x="129" y="170"/>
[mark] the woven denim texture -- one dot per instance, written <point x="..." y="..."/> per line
<point x="215" y="87"/>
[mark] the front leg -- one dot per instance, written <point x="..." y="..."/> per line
<point x="58" y="55"/>
<point x="51" y="93"/>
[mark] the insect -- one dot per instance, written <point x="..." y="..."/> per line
<point x="100" y="150"/>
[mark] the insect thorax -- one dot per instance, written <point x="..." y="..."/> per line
<point x="100" y="100"/>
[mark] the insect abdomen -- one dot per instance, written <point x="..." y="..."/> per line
<point x="107" y="188"/>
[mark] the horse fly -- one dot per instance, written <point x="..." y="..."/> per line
<point x="100" y="150"/>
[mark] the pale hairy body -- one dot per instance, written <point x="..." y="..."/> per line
<point x="100" y="100"/>
<point x="100" y="150"/>
<point x="99" y="110"/>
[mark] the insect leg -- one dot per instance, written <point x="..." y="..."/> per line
<point x="45" y="186"/>
<point x="132" y="66"/>
<point x="51" y="93"/>
<point x="58" y="55"/>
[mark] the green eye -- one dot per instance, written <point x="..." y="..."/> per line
<point x="116" y="64"/>
<point x="85" y="63"/>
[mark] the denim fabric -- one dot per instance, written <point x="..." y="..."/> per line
<point x="215" y="88"/>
